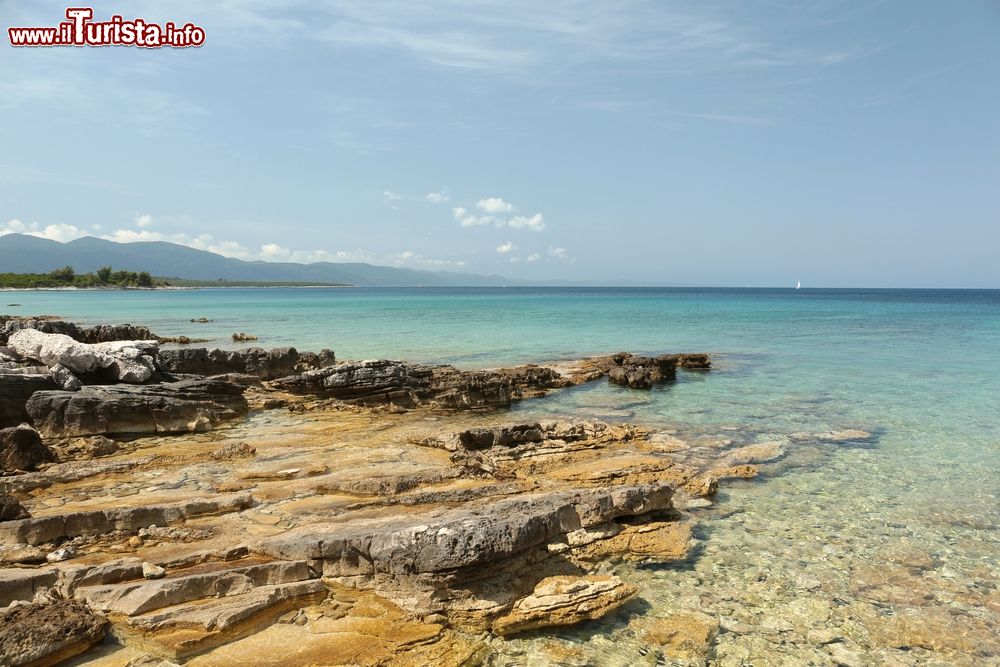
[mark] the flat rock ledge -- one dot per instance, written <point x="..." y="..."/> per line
<point x="497" y="530"/>
<point x="185" y="406"/>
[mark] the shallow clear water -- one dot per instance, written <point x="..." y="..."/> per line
<point x="918" y="368"/>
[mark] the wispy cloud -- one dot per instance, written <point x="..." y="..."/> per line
<point x="439" y="197"/>
<point x="505" y="248"/>
<point x="391" y="199"/>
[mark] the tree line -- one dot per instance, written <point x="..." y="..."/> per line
<point x="105" y="276"/>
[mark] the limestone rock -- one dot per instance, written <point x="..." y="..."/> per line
<point x="101" y="333"/>
<point x="61" y="554"/>
<point x="22" y="584"/>
<point x="385" y="382"/>
<point x="151" y="571"/>
<point x="40" y="530"/>
<point x="256" y="361"/>
<point x="641" y="372"/>
<point x="234" y="451"/>
<point x="11" y="508"/>
<point x="460" y="537"/>
<point x="126" y="361"/>
<point x="173" y="407"/>
<point x="21" y="448"/>
<point x="15" y="390"/>
<point x="565" y="600"/>
<point x="46" y="634"/>
<point x="64" y="378"/>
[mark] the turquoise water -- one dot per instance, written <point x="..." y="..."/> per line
<point x="920" y="369"/>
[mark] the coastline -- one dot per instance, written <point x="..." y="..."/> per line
<point x="566" y="476"/>
<point x="333" y="454"/>
<point x="167" y="288"/>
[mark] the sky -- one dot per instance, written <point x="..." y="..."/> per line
<point x="753" y="142"/>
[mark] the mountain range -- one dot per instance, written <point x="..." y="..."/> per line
<point x="20" y="253"/>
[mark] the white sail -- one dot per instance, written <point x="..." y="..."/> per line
<point x="798" y="284"/>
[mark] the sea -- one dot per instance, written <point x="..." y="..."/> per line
<point x="884" y="550"/>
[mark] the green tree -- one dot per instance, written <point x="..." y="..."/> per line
<point x="65" y="274"/>
<point x="104" y="274"/>
<point x="144" y="279"/>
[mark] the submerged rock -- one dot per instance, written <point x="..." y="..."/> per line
<point x="47" y="634"/>
<point x="683" y="635"/>
<point x="21" y="448"/>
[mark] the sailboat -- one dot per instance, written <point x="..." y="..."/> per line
<point x="798" y="284"/>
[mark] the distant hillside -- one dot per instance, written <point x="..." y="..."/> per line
<point x="28" y="254"/>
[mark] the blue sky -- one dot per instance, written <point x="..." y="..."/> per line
<point x="708" y="143"/>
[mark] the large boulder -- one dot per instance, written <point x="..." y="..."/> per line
<point x="124" y="361"/>
<point x="47" y="634"/>
<point x="21" y="448"/>
<point x="171" y="407"/>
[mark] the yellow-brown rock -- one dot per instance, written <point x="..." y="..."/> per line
<point x="684" y="635"/>
<point x="565" y="600"/>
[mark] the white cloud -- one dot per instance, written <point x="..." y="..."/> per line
<point x="439" y="197"/>
<point x="467" y="219"/>
<point x="143" y="221"/>
<point x="533" y="257"/>
<point x="505" y="248"/>
<point x="390" y="198"/>
<point x="491" y="206"/>
<point x="133" y="236"/>
<point x="274" y="250"/>
<point x="558" y="253"/>
<point x="535" y="223"/>
<point x="57" y="232"/>
<point x="515" y="260"/>
<point x="494" y="205"/>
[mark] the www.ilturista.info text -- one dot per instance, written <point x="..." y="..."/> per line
<point x="80" y="30"/>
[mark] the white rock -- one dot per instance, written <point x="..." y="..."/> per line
<point x="128" y="360"/>
<point x="52" y="349"/>
<point x="59" y="555"/>
<point x="64" y="377"/>
<point x="150" y="571"/>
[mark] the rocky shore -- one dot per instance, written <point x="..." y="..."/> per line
<point x="208" y="507"/>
